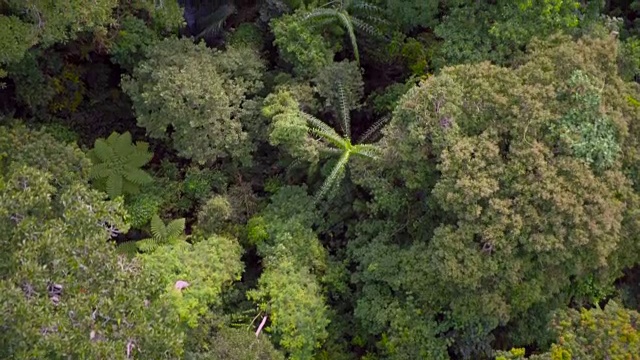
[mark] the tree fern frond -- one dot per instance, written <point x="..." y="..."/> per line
<point x="158" y="229"/>
<point x="373" y="129"/>
<point x="103" y="151"/>
<point x="320" y="13"/>
<point x="139" y="159"/>
<point x="344" y="111"/>
<point x="365" y="27"/>
<point x="137" y="176"/>
<point x="368" y="150"/>
<point x="147" y="245"/>
<point x="175" y="229"/>
<point x="367" y="7"/>
<point x="346" y="21"/>
<point x="114" y="185"/>
<point x="113" y="138"/>
<point x="215" y="21"/>
<point x="99" y="171"/>
<point x="323" y="130"/>
<point x="330" y="150"/>
<point x="335" y="176"/>
<point x="122" y="145"/>
<point x="129" y="248"/>
<point x="130" y="188"/>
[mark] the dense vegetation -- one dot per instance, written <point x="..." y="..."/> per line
<point x="289" y="179"/>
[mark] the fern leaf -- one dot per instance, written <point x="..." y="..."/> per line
<point x="323" y="130"/>
<point x="366" y="7"/>
<point x="175" y="229"/>
<point x="368" y="150"/>
<point x="216" y="19"/>
<point x="129" y="248"/>
<point x="158" y="229"/>
<point x="346" y="21"/>
<point x="114" y="185"/>
<point x="335" y="176"/>
<point x="137" y="176"/>
<point x="130" y="188"/>
<point x="112" y="139"/>
<point x="103" y="151"/>
<point x="365" y="27"/>
<point x="344" y="112"/>
<point x="320" y="13"/>
<point x="122" y="145"/>
<point x="373" y="129"/>
<point x="139" y="158"/>
<point x="99" y="171"/>
<point x="147" y="245"/>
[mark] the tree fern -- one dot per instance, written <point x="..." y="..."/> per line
<point x="117" y="162"/>
<point x="335" y="143"/>
<point x="344" y="14"/>
<point x="161" y="234"/>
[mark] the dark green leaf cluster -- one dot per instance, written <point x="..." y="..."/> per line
<point x="199" y="93"/>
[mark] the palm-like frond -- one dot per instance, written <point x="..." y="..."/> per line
<point x="373" y="129"/>
<point x="129" y="248"/>
<point x="175" y="230"/>
<point x="215" y="20"/>
<point x="344" y="112"/>
<point x="345" y="19"/>
<point x="365" y="27"/>
<point x="335" y="176"/>
<point x="323" y="130"/>
<point x="367" y="150"/>
<point x="158" y="229"/>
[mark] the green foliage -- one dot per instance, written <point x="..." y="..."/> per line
<point x="16" y="37"/>
<point x="163" y="234"/>
<point x="199" y="182"/>
<point x="630" y="58"/>
<point x="608" y="333"/>
<point x="117" y="162"/>
<point x="141" y="208"/>
<point x="208" y="266"/>
<point x="584" y="129"/>
<point x="475" y="31"/>
<point x="213" y="214"/>
<point x="247" y="34"/>
<point x="288" y="290"/>
<point x="297" y="130"/>
<point x="299" y="46"/>
<point x="132" y="42"/>
<point x="409" y="14"/>
<point x="344" y="13"/>
<point x="239" y="344"/>
<point x="493" y="218"/>
<point x="200" y="93"/>
<point x="166" y="16"/>
<point x="64" y="290"/>
<point x="346" y="73"/>
<point x="384" y="101"/>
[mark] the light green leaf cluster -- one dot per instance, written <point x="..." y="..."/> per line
<point x="476" y="31"/>
<point x="299" y="46"/>
<point x="117" y="162"/>
<point x="590" y="334"/>
<point x="208" y="265"/>
<point x="64" y="290"/>
<point x="585" y="129"/>
<point x="198" y="92"/>
<point x="48" y="22"/>
<point x="288" y="289"/>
